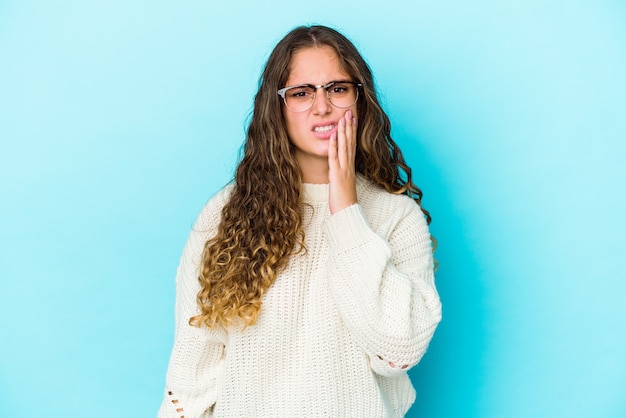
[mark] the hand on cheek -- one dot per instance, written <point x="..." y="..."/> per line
<point x="342" y="173"/>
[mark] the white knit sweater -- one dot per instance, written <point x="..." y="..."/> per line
<point x="338" y="329"/>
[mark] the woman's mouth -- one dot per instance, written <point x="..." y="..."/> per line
<point x="326" y="128"/>
<point x="324" y="131"/>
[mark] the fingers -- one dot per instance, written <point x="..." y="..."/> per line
<point x="342" y="148"/>
<point x="332" y="151"/>
<point x="342" y="173"/>
<point x="346" y="141"/>
<point x="351" y="136"/>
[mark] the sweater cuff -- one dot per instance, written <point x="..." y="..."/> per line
<point x="348" y="228"/>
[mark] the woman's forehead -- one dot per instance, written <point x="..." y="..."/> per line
<point x="315" y="65"/>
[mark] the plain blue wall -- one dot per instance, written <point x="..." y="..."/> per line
<point x="119" y="119"/>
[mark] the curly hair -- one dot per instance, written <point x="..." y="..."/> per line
<point x="261" y="224"/>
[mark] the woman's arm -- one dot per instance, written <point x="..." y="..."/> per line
<point x="196" y="362"/>
<point x="383" y="284"/>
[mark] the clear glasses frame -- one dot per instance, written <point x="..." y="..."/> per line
<point x="282" y="93"/>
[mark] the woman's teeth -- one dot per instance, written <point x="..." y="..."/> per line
<point x="324" y="128"/>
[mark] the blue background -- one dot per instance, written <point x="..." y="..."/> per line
<point x="119" y="119"/>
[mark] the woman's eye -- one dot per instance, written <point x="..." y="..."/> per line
<point x="300" y="94"/>
<point x="338" y="89"/>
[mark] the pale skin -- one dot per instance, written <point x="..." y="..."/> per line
<point x="328" y="156"/>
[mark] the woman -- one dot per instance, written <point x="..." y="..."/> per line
<point x="306" y="287"/>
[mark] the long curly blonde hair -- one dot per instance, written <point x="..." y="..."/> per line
<point x="261" y="224"/>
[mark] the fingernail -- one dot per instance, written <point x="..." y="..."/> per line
<point x="349" y="114"/>
<point x="342" y="122"/>
<point x="354" y="121"/>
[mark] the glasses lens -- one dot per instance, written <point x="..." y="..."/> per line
<point x="342" y="94"/>
<point x="299" y="98"/>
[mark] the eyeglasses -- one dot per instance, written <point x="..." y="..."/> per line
<point x="340" y="94"/>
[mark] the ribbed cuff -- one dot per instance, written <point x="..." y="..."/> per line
<point x="348" y="229"/>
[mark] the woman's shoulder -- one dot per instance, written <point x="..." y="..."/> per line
<point x="211" y="212"/>
<point x="220" y="197"/>
<point x="374" y="196"/>
<point x="385" y="210"/>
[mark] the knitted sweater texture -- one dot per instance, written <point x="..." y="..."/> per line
<point x="338" y="329"/>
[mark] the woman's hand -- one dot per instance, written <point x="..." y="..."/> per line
<point x="341" y="172"/>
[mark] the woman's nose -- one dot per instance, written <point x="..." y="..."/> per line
<point x="321" y="104"/>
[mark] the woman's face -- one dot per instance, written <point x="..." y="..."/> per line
<point x="310" y="130"/>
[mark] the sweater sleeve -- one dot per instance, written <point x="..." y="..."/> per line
<point x="196" y="361"/>
<point x="383" y="285"/>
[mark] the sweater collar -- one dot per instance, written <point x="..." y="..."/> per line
<point x="315" y="193"/>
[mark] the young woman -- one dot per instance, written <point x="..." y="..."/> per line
<point x="306" y="287"/>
